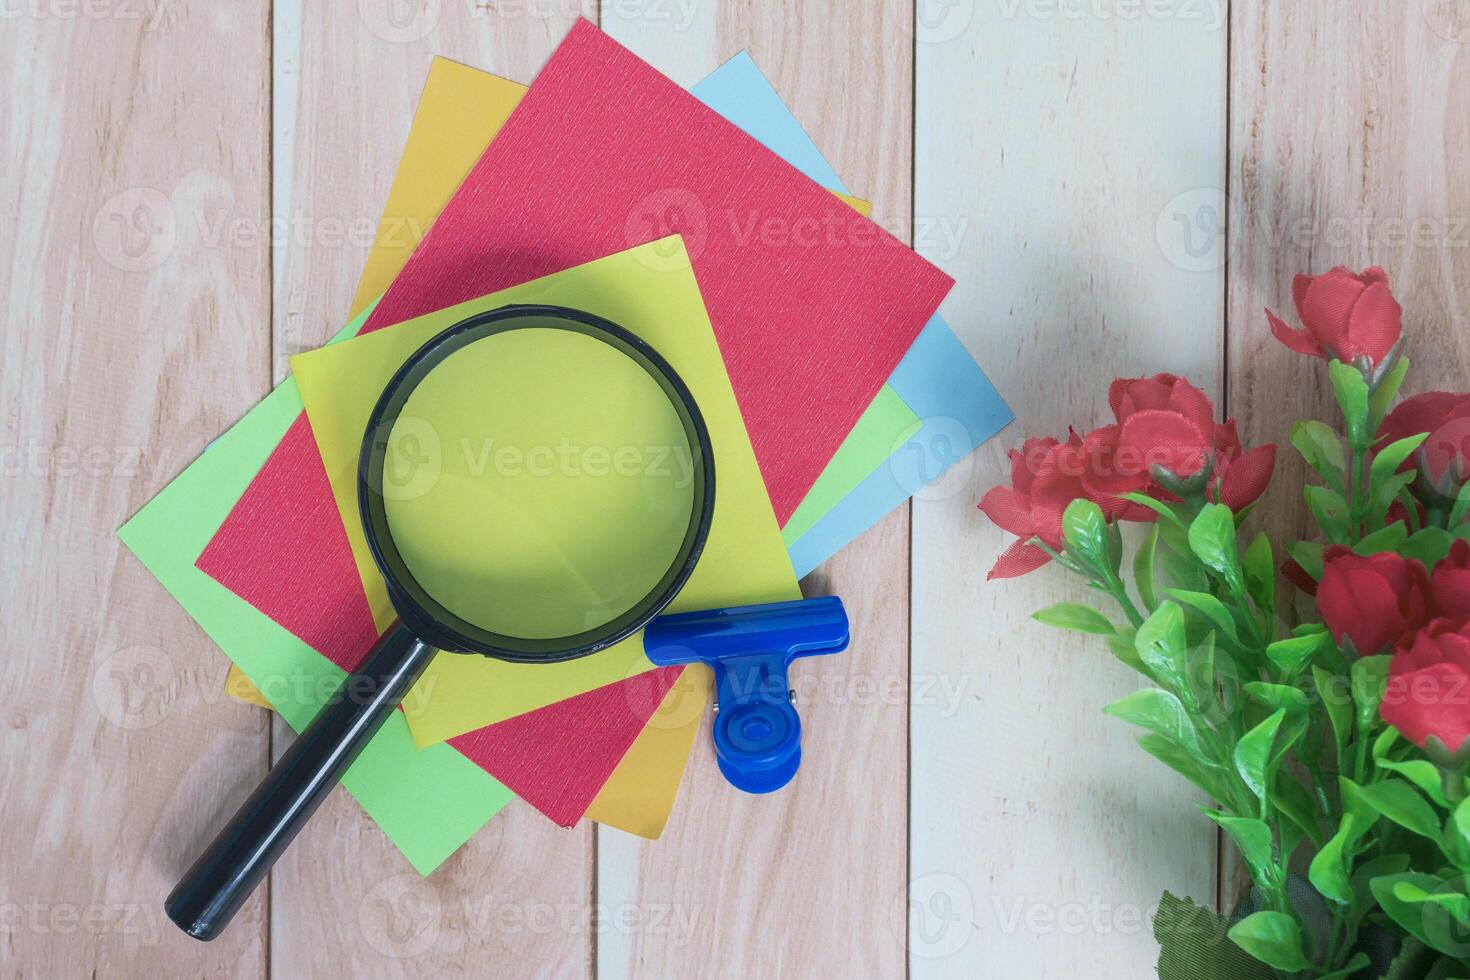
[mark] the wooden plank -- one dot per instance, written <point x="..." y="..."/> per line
<point x="1063" y="140"/>
<point x="132" y="335"/>
<point x="808" y="881"/>
<point x="1353" y="159"/>
<point x="513" y="901"/>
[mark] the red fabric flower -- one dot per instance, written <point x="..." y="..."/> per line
<point x="1449" y="582"/>
<point x="1428" y="690"/>
<point x="1046" y="476"/>
<point x="1346" y="316"/>
<point x="1162" y="421"/>
<point x="1371" y="600"/>
<point x="1240" y="476"/>
<point x="1444" y="458"/>
<point x="1042" y="484"/>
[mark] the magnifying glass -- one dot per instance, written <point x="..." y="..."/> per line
<point x="536" y="484"/>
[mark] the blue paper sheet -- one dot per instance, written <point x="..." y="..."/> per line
<point x="937" y="378"/>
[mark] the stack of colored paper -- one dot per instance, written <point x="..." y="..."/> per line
<point x="708" y="222"/>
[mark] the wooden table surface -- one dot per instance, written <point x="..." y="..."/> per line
<point x="1119" y="186"/>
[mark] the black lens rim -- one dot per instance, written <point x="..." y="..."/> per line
<point x="431" y="621"/>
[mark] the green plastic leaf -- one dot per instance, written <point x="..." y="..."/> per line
<point x="1417" y="961"/>
<point x="1274" y="938"/>
<point x="1461" y="507"/>
<point x="1254" y="841"/>
<point x="1402" y="803"/>
<point x="1143" y="568"/>
<point x="1330" y="512"/>
<point x="1253" y="754"/>
<point x="1276" y="696"/>
<point x="1455" y="902"/>
<point x="1307" y="554"/>
<point x="1369" y="677"/>
<point x="1295" y="801"/>
<point x="1429" y="924"/>
<point x="1389" y="538"/>
<point x="1429" y="545"/>
<point x="1329" y="871"/>
<point x="1321" y="448"/>
<point x="1157" y="506"/>
<point x="1173" y="755"/>
<point x="1352" y="398"/>
<point x="1455" y="839"/>
<point x="1208" y="606"/>
<point x="1193" y="945"/>
<point x="1162" y="645"/>
<point x="1333" y="692"/>
<point x="1410" y="917"/>
<point x="1385" y="493"/>
<point x="1363" y="875"/>
<point x="1392" y="456"/>
<point x="1075" y="617"/>
<point x="1158" y="711"/>
<point x="1421" y="773"/>
<point x="1260" y="572"/>
<point x="1291" y="655"/>
<point x="1212" y="538"/>
<point x="1121" y="643"/>
<point x="1085" y="532"/>
<point x="1387" y="390"/>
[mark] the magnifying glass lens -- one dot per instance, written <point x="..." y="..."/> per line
<point x="538" y="483"/>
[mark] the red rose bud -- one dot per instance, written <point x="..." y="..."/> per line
<point x="1444" y="457"/>
<point x="1428" y="692"/>
<point x="1345" y="316"/>
<point x="1449" y="582"/>
<point x="1373" y="600"/>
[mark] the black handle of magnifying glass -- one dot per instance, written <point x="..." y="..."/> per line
<point x="212" y="891"/>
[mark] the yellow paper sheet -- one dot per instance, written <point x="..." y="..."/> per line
<point x="650" y="289"/>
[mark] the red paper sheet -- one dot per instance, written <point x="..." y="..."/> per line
<point x="813" y="306"/>
<point x="556" y="758"/>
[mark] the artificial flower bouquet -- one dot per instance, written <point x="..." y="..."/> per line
<point x="1318" y="692"/>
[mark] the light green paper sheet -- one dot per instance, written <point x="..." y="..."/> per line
<point x="428" y="801"/>
<point x="885" y="425"/>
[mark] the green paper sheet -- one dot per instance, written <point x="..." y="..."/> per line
<point x="885" y="425"/>
<point x="428" y="801"/>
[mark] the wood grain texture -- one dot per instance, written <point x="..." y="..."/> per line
<point x="1060" y="144"/>
<point x="1357" y="159"/>
<point x="133" y="332"/>
<point x="514" y="901"/>
<point x="191" y="191"/>
<point x="810" y="880"/>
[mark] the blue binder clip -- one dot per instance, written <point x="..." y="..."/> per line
<point x="757" y="731"/>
